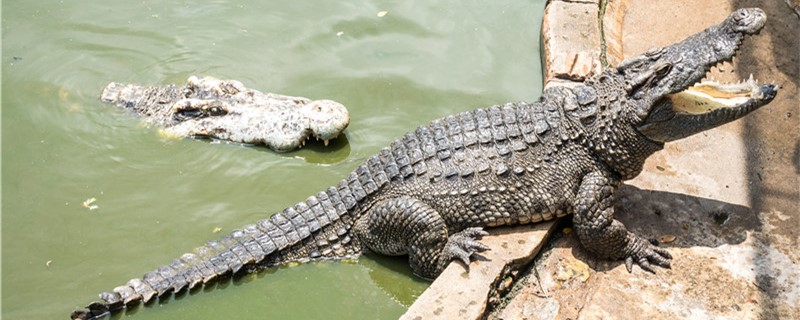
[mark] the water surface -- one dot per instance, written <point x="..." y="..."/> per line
<point x="157" y="198"/>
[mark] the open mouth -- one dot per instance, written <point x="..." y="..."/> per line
<point x="704" y="105"/>
<point x="707" y="96"/>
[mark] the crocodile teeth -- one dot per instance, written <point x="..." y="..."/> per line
<point x="326" y="142"/>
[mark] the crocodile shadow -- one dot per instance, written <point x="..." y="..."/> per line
<point x="693" y="221"/>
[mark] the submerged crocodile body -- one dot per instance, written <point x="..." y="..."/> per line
<point x="227" y="110"/>
<point x="429" y="194"/>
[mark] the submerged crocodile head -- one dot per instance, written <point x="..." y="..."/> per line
<point x="227" y="110"/>
<point x="671" y="98"/>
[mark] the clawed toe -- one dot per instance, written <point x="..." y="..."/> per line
<point x="646" y="254"/>
<point x="473" y="233"/>
<point x="463" y="245"/>
<point x="663" y="252"/>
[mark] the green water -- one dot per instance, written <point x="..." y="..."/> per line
<point x="158" y="198"/>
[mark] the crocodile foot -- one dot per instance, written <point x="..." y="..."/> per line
<point x="645" y="253"/>
<point x="463" y="244"/>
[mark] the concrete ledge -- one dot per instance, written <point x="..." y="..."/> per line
<point x="459" y="293"/>
<point x="573" y="45"/>
<point x="742" y="268"/>
<point x="613" y="17"/>
<point x="731" y="231"/>
<point x="571" y="38"/>
<point x="576" y="44"/>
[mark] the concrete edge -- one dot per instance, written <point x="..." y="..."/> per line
<point x="580" y="39"/>
<point x="461" y="293"/>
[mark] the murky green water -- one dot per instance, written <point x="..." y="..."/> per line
<point x="159" y="198"/>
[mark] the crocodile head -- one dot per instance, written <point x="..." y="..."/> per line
<point x="227" y="110"/>
<point x="671" y="98"/>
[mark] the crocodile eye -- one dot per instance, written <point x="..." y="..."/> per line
<point x="216" y="111"/>
<point x="663" y="69"/>
<point x="187" y="113"/>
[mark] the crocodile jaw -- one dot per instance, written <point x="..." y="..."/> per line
<point x="707" y="96"/>
<point x="703" y="106"/>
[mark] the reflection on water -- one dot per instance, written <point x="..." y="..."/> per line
<point x="315" y="151"/>
<point x="157" y="198"/>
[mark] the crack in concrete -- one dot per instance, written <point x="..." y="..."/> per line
<point x="600" y="15"/>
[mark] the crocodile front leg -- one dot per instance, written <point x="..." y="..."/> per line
<point x="401" y="226"/>
<point x="606" y="237"/>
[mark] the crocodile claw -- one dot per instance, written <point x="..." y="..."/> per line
<point x="462" y="245"/>
<point x="645" y="254"/>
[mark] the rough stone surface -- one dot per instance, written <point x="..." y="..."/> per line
<point x="571" y="38"/>
<point x="716" y="259"/>
<point x="730" y="215"/>
<point x="459" y="293"/>
<point x="613" y="18"/>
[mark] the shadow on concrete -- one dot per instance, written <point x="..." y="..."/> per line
<point x="692" y="221"/>
<point x="772" y="136"/>
<point x="746" y="277"/>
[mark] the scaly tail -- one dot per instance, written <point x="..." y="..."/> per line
<point x="319" y="228"/>
<point x="315" y="229"/>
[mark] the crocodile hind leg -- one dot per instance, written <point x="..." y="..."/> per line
<point x="401" y="226"/>
<point x="606" y="237"/>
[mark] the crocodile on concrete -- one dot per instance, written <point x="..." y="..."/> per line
<point x="227" y="110"/>
<point x="429" y="194"/>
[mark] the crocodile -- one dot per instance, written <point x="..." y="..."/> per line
<point x="226" y="110"/>
<point x="430" y="194"/>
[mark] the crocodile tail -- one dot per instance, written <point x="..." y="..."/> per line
<point x="315" y="229"/>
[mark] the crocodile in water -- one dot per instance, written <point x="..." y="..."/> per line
<point x="429" y="194"/>
<point x="227" y="110"/>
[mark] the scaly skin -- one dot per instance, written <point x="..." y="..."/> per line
<point x="227" y="110"/>
<point x="429" y="194"/>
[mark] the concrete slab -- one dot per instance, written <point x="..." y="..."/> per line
<point x="613" y="17"/>
<point x="571" y="38"/>
<point x="726" y="202"/>
<point x="714" y="274"/>
<point x="461" y="293"/>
